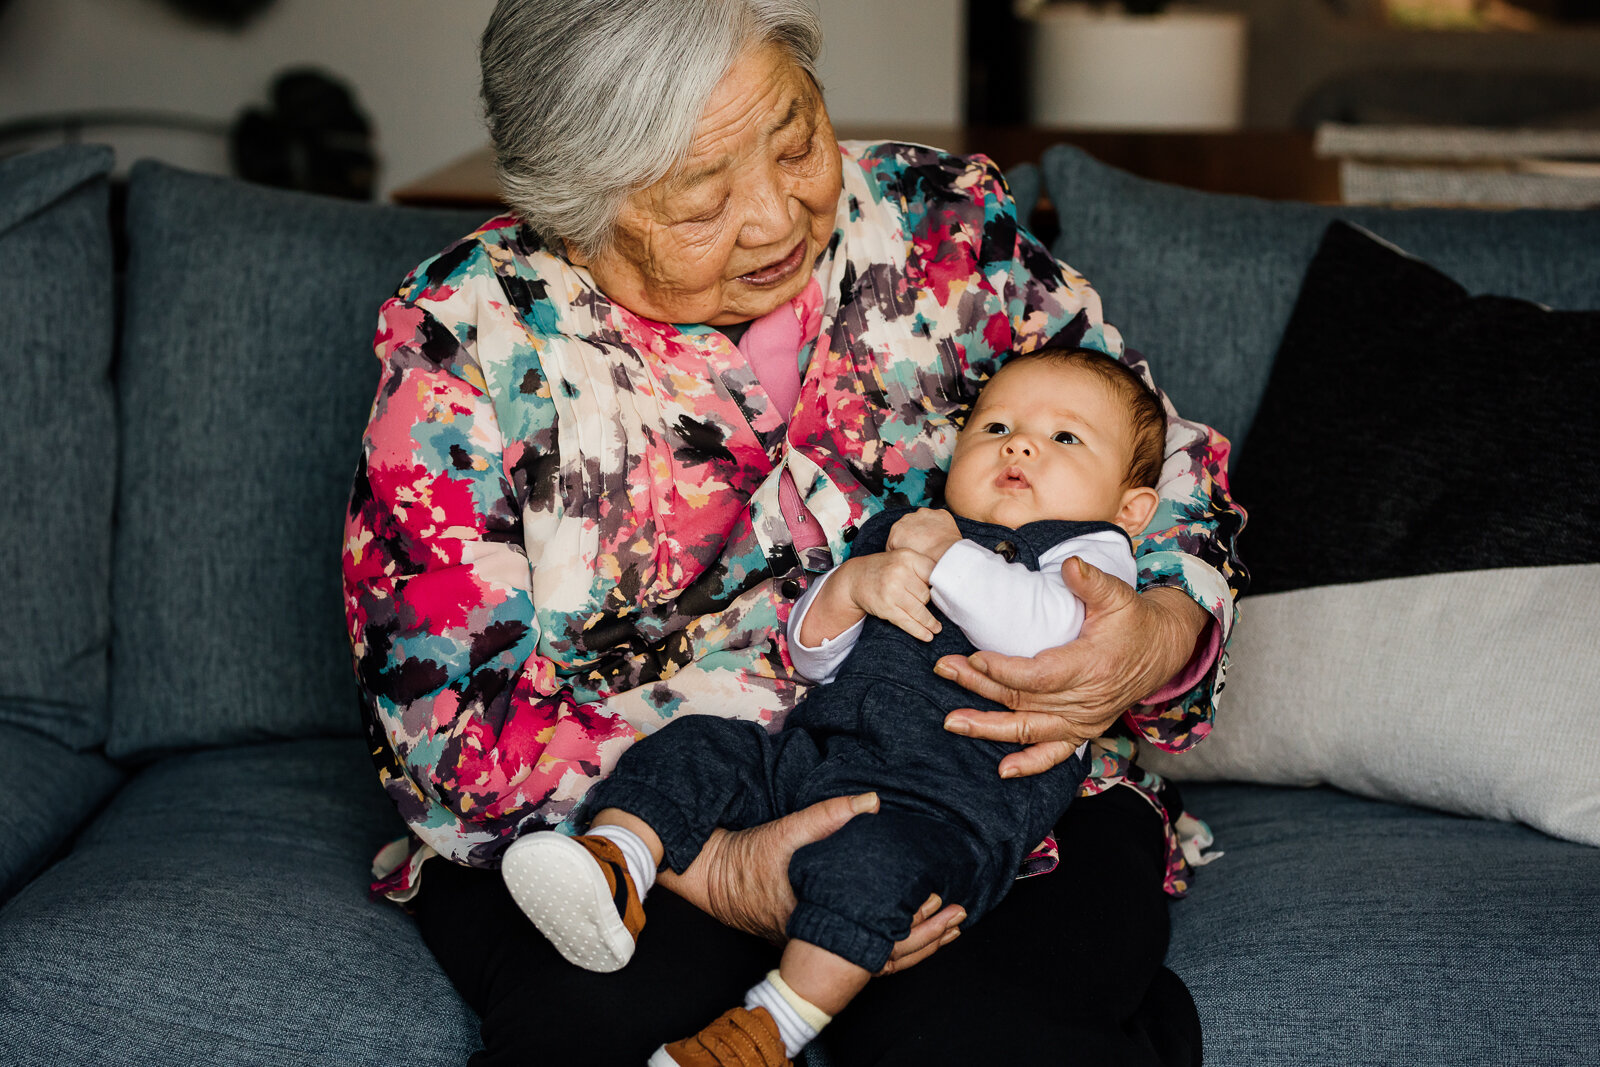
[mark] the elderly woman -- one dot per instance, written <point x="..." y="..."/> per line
<point x="618" y="432"/>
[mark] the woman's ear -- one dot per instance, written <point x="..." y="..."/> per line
<point x="1138" y="505"/>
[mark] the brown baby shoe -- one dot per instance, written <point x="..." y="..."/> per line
<point x="739" y="1038"/>
<point x="579" y="894"/>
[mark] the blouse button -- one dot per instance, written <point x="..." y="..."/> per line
<point x="790" y="588"/>
<point x="1007" y="550"/>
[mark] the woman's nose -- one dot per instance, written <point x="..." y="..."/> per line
<point x="767" y="218"/>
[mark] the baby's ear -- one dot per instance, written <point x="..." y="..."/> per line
<point x="1138" y="506"/>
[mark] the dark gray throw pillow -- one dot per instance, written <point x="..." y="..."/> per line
<point x="1409" y="428"/>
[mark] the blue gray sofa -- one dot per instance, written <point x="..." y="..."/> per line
<point x="187" y="808"/>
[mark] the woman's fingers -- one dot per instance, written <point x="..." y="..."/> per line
<point x="1098" y="590"/>
<point x="811" y="824"/>
<point x="928" y="934"/>
<point x="1036" y="759"/>
<point x="1017" y="727"/>
<point x="741" y="877"/>
<point x="1008" y="680"/>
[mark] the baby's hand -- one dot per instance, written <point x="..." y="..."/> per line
<point x="893" y="585"/>
<point x="929" y="531"/>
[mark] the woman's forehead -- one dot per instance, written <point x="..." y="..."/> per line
<point x="764" y="94"/>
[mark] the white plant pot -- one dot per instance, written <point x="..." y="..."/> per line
<point x="1096" y="67"/>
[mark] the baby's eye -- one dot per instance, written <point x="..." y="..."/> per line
<point x="996" y="427"/>
<point x="1066" y="437"/>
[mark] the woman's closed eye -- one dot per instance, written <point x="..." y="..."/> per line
<point x="711" y="214"/>
<point x="801" y="154"/>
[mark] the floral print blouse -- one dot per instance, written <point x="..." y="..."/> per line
<point x="565" y="529"/>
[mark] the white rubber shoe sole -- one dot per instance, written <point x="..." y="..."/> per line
<point x="561" y="887"/>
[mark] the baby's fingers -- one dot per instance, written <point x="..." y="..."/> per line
<point x="914" y="618"/>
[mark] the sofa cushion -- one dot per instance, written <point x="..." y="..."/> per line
<point x="246" y="377"/>
<point x="217" y="913"/>
<point x="1203" y="283"/>
<point x="47" y="791"/>
<point x="1446" y="431"/>
<point x="1433" y="578"/>
<point x="1339" y="930"/>
<point x="59" y="440"/>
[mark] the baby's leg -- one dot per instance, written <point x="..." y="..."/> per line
<point x="663" y="800"/>
<point x="825" y="980"/>
<point x="781" y="1015"/>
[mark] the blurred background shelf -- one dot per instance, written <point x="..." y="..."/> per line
<point x="1273" y="164"/>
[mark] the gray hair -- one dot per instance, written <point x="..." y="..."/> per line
<point x="588" y="101"/>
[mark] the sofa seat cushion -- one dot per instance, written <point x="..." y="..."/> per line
<point x="58" y="438"/>
<point x="47" y="791"/>
<point x="246" y="377"/>
<point x="217" y="913"/>
<point x="1342" y="930"/>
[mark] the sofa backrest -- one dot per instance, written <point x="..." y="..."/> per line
<point x="59" y="442"/>
<point x="245" y="376"/>
<point x="1203" y="283"/>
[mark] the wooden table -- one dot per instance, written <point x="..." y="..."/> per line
<point x="1274" y="164"/>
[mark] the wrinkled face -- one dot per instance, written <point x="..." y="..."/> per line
<point x="732" y="233"/>
<point x="1045" y="441"/>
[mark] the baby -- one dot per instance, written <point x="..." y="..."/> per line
<point x="1059" y="458"/>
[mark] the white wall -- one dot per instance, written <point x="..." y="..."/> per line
<point x="892" y="61"/>
<point x="412" y="63"/>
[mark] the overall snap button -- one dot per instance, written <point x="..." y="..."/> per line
<point x="790" y="588"/>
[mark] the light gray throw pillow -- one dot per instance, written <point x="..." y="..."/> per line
<point x="1475" y="692"/>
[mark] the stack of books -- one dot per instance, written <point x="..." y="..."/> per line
<point x="1456" y="166"/>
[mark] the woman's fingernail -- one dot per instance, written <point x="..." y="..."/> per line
<point x="958" y="726"/>
<point x="944" y="670"/>
<point x="1008" y="772"/>
<point x="960" y="917"/>
<point x="864" y="802"/>
<point x="949" y="936"/>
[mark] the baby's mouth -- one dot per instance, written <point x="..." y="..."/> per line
<point x="778" y="271"/>
<point x="1012" y="478"/>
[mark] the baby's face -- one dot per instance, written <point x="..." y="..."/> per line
<point x="1046" y="441"/>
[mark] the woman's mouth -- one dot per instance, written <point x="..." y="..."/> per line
<point x="783" y="269"/>
<point x="1012" y="478"/>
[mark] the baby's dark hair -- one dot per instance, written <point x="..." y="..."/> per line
<point x="1149" y="420"/>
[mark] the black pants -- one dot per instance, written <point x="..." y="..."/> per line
<point x="1066" y="970"/>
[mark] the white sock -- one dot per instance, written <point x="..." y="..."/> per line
<point x="799" y="1020"/>
<point x="635" y="853"/>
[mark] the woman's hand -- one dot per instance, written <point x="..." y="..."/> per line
<point x="741" y="878"/>
<point x="1131" y="645"/>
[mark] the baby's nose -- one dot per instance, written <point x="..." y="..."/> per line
<point x="1016" y="445"/>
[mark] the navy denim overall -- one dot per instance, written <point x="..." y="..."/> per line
<point x="947" y="822"/>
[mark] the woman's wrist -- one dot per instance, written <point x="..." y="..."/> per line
<point x="1186" y="623"/>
